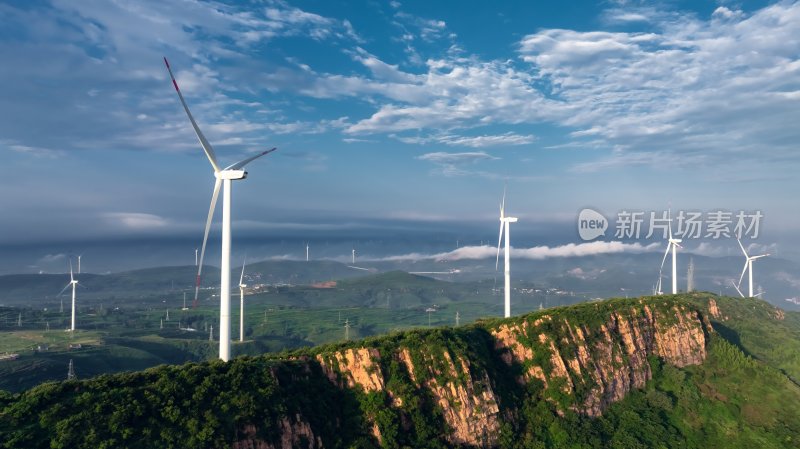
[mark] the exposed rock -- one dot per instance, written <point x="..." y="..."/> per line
<point x="593" y="364"/>
<point x="465" y="397"/>
<point x="616" y="360"/>
<point x="360" y="366"/>
<point x="294" y="433"/>
<point x="713" y="309"/>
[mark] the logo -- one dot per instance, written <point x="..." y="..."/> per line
<point x="591" y="224"/>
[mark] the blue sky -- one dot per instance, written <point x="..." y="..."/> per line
<point x="413" y="113"/>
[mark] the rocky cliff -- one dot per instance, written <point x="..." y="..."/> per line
<point x="481" y="385"/>
<point x="579" y="359"/>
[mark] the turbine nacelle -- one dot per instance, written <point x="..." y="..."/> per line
<point x="230" y="174"/>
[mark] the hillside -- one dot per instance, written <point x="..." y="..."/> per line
<point x="677" y="371"/>
<point x="149" y="283"/>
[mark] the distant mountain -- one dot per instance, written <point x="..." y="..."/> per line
<point x="599" y="276"/>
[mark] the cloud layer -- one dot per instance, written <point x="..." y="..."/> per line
<point x="534" y="253"/>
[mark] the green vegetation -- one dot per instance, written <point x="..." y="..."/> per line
<point x="739" y="397"/>
<point x="122" y="333"/>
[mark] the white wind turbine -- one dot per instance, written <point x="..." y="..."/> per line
<point x="223" y="176"/>
<point x="74" y="283"/>
<point x="504" y="228"/>
<point x="242" y="286"/>
<point x="672" y="244"/>
<point x="748" y="267"/>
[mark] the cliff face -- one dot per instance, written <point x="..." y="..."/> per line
<point x="581" y="360"/>
<point x="608" y="359"/>
<point x="493" y="383"/>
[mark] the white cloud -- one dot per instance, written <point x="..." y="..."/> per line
<point x="535" y="253"/>
<point x="453" y="164"/>
<point x="51" y="258"/>
<point x="37" y="152"/>
<point x="135" y="220"/>
<point x="506" y="139"/>
<point x="723" y="12"/>
<point x="455" y="158"/>
<point x="689" y="91"/>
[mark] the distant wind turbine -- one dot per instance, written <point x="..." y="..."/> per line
<point x="79" y="263"/>
<point x="504" y="228"/>
<point x="242" y="285"/>
<point x="74" y="283"/>
<point x="223" y="176"/>
<point x="306" y="252"/>
<point x="672" y="244"/>
<point x="748" y="267"/>
<point x="354" y="256"/>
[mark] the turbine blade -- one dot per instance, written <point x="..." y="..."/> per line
<point x="669" y="221"/>
<point x="737" y="289"/>
<point x="743" y="272"/>
<point x="664" y="259"/>
<point x="503" y="204"/>
<point x="241" y="164"/>
<point x="70" y="271"/>
<point x="211" y="208"/>
<point x="64" y="289"/>
<point x="758" y="257"/>
<point x="203" y="142"/>
<point x="499" y="239"/>
<point x="741" y="246"/>
<point x="241" y="278"/>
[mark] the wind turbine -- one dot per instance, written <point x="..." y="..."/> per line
<point x="223" y="176"/>
<point x="79" y="263"/>
<point x="748" y="266"/>
<point x="242" y="285"/>
<point x="672" y="244"/>
<point x="74" y="283"/>
<point x="504" y="228"/>
<point x="658" y="284"/>
<point x="354" y="256"/>
<point x="306" y="252"/>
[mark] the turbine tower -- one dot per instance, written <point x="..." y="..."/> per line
<point x="690" y="276"/>
<point x="242" y="285"/>
<point x="748" y="267"/>
<point x="354" y="256"/>
<point x="504" y="229"/>
<point x="71" y="371"/>
<point x="306" y="252"/>
<point x="223" y="176"/>
<point x="672" y="244"/>
<point x="79" y="263"/>
<point x="74" y="283"/>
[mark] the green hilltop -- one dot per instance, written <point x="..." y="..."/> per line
<point x="743" y="394"/>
